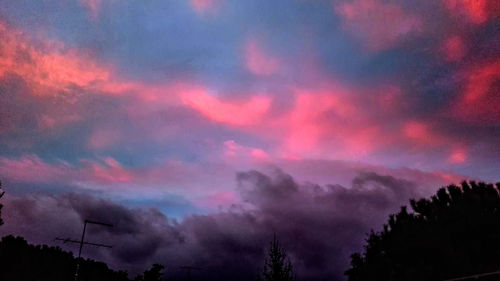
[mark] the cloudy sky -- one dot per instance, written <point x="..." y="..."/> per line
<point x="215" y="112"/>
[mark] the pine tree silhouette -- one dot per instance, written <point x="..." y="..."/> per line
<point x="277" y="266"/>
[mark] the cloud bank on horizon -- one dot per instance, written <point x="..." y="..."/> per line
<point x="320" y="225"/>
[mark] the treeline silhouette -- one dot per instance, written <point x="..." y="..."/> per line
<point x="455" y="233"/>
<point x="21" y="261"/>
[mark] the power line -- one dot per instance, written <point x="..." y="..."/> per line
<point x="475" y="276"/>
<point x="188" y="270"/>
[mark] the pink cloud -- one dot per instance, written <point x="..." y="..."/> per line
<point x="103" y="138"/>
<point x="109" y="172"/>
<point x="260" y="155"/>
<point x="325" y="121"/>
<point x="31" y="168"/>
<point x="377" y="24"/>
<point x="237" y="153"/>
<point x="50" y="70"/>
<point x="218" y="200"/>
<point x="258" y="61"/>
<point x="458" y="156"/>
<point x="454" y="48"/>
<point x="421" y="134"/>
<point x="305" y="123"/>
<point x="479" y="101"/>
<point x="331" y="121"/>
<point x="60" y="78"/>
<point x="337" y="121"/>
<point x="328" y="122"/>
<point x="202" y="7"/>
<point x="237" y="113"/>
<point x="365" y="141"/>
<point x="209" y="185"/>
<point x="390" y="98"/>
<point x="52" y="119"/>
<point x="475" y="10"/>
<point x="93" y="7"/>
<point x="54" y="69"/>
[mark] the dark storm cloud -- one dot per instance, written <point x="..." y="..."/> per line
<point x="320" y="226"/>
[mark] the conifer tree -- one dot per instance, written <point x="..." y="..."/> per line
<point x="277" y="266"/>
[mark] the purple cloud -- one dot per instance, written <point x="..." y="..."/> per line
<point x="320" y="225"/>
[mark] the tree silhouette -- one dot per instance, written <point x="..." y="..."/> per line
<point x="21" y="261"/>
<point x="454" y="233"/>
<point x="277" y="266"/>
<point x="153" y="274"/>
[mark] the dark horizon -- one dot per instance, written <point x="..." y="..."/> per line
<point x="320" y="226"/>
<point x="451" y="235"/>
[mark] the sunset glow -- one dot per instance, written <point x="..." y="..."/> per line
<point x="177" y="107"/>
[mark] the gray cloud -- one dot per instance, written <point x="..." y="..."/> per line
<point x="320" y="225"/>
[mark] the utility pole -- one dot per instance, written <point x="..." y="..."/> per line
<point x="188" y="270"/>
<point x="81" y="242"/>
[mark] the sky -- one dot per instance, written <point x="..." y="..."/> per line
<point x="239" y="116"/>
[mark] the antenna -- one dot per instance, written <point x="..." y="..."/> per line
<point x="1" y="190"/>
<point x="66" y="240"/>
<point x="188" y="270"/>
<point x="81" y="242"/>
